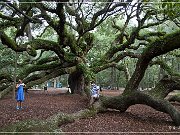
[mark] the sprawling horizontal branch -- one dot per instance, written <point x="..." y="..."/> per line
<point x="46" y="60"/>
<point x="35" y="20"/>
<point x="162" y="46"/>
<point x="165" y="67"/>
<point x="102" y="67"/>
<point x="51" y="124"/>
<point x="8" y="17"/>
<point x="123" y="55"/>
<point x="36" y="76"/>
<point x="45" y="45"/>
<point x="7" y="24"/>
<point x="104" y="64"/>
<point x="5" y="76"/>
<point x="165" y="86"/>
<point x="138" y="46"/>
<point x="123" y="68"/>
<point x="151" y="34"/>
<point x="5" y="91"/>
<point x="33" y="68"/>
<point x="123" y="102"/>
<point x="158" y="47"/>
<point x="153" y="98"/>
<point x="42" y="77"/>
<point x="32" y="46"/>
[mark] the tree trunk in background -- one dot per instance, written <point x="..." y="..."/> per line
<point x="28" y="32"/>
<point x="76" y="82"/>
<point x="178" y="61"/>
<point x="15" y="70"/>
<point x="117" y="82"/>
<point x="113" y="78"/>
<point x="161" y="72"/>
<point x="172" y="64"/>
<point x="55" y="83"/>
<point x="127" y="73"/>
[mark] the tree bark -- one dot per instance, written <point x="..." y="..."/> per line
<point x="76" y="82"/>
<point x="123" y="102"/>
<point x="159" y="47"/>
<point x="174" y="98"/>
<point x="165" y="86"/>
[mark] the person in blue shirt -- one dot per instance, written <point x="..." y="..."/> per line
<point x="94" y="93"/>
<point x="20" y="94"/>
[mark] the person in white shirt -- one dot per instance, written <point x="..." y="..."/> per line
<point x="94" y="93"/>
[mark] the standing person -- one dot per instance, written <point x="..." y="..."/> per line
<point x="94" y="93"/>
<point x="20" y="94"/>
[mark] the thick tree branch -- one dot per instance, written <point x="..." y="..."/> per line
<point x="150" y="34"/>
<point x="6" y="76"/>
<point x="165" y="67"/>
<point x="138" y="46"/>
<point x="8" y="17"/>
<point x="35" y="20"/>
<point x="123" y="55"/>
<point x="159" y="47"/>
<point x="166" y="85"/>
<point x="32" y="46"/>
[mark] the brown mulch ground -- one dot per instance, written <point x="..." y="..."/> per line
<point x="40" y="105"/>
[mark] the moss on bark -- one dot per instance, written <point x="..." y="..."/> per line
<point x="174" y="98"/>
<point x="165" y="86"/>
<point x="123" y="102"/>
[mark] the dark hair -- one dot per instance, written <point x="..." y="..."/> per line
<point x="20" y="81"/>
<point x="92" y="81"/>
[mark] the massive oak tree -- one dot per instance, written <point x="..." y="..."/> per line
<point x="55" y="38"/>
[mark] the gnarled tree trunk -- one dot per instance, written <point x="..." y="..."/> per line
<point x="76" y="82"/>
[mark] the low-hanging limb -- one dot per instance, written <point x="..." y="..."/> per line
<point x="32" y="46"/>
<point x="30" y="69"/>
<point x="6" y="76"/>
<point x="165" y="86"/>
<point x="158" y="47"/>
<point x="165" y="66"/>
<point x="132" y="96"/>
<point x="39" y="78"/>
<point x="122" y="102"/>
<point x="49" y="75"/>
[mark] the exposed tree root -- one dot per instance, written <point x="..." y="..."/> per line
<point x="51" y="124"/>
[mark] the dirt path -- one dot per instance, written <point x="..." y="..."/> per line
<point x="41" y="105"/>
